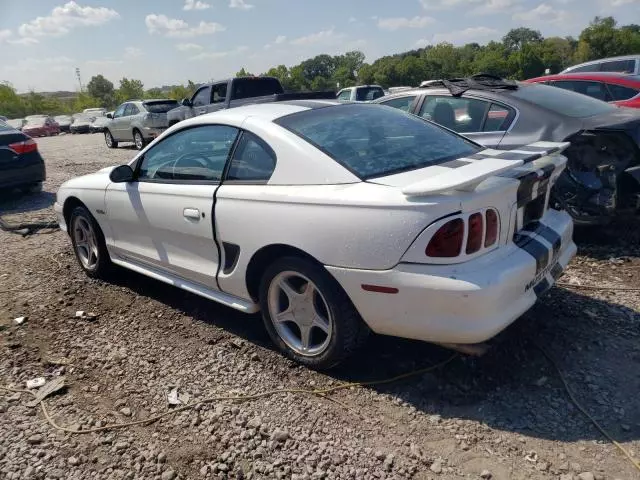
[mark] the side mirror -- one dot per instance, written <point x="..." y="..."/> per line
<point x="185" y="102"/>
<point x="121" y="174"/>
<point x="109" y="115"/>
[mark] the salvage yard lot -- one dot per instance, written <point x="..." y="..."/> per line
<point x="505" y="415"/>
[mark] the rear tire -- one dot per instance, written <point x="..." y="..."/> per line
<point x="139" y="140"/>
<point x="309" y="304"/>
<point x="109" y="140"/>
<point x="88" y="244"/>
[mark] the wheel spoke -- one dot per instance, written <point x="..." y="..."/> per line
<point x="321" y="323"/>
<point x="285" y="316"/>
<point x="288" y="290"/>
<point x="305" y="336"/>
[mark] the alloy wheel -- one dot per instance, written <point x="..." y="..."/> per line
<point x="138" y="140"/>
<point x="108" y="139"/>
<point x="85" y="241"/>
<point x="300" y="313"/>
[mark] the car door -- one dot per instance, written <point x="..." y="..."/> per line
<point x="127" y="129"/>
<point x="481" y="120"/>
<point x="201" y="100"/>
<point x="164" y="219"/>
<point x="115" y="127"/>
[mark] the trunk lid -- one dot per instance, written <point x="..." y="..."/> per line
<point x="156" y="116"/>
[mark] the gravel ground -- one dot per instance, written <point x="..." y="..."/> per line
<point x="502" y="416"/>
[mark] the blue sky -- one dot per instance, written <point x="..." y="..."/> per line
<point x="164" y="42"/>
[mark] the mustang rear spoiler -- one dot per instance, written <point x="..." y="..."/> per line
<point x="480" y="166"/>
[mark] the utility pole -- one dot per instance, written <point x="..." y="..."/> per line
<point x="79" y="81"/>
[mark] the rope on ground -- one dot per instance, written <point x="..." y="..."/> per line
<point x="322" y="392"/>
<point x="597" y="287"/>
<point x="27" y="228"/>
<point x="572" y="397"/>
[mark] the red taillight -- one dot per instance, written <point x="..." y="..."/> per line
<point x="492" y="228"/>
<point x="27" y="146"/>
<point x="447" y="241"/>
<point x="474" y="240"/>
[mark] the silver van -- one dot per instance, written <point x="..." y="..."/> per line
<point x="627" y="64"/>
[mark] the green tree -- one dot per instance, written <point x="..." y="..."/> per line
<point x="11" y="104"/>
<point x="556" y="53"/>
<point x="101" y="89"/>
<point x="130" y="89"/>
<point x="516" y="38"/>
<point x="85" y="100"/>
<point x="243" y="73"/>
<point x="154" y="93"/>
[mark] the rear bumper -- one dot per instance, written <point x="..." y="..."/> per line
<point x="27" y="170"/>
<point x="152" y="132"/>
<point x="467" y="303"/>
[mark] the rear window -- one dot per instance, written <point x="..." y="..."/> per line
<point x="255" y="87"/>
<point x="5" y="127"/>
<point x="562" y="101"/>
<point x="160" y="107"/>
<point x="364" y="94"/>
<point x="373" y="140"/>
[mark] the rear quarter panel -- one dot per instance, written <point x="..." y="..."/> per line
<point x="360" y="225"/>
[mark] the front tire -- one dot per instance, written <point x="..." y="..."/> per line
<point x="109" y="140"/>
<point x="88" y="243"/>
<point x="139" y="140"/>
<point x="308" y="315"/>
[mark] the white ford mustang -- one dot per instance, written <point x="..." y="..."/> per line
<point x="333" y="220"/>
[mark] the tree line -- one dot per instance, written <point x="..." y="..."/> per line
<point x="522" y="53"/>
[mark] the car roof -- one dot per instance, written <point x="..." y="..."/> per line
<point x="611" y="77"/>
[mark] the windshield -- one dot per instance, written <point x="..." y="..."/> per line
<point x="374" y="140"/>
<point x="255" y="87"/>
<point x="364" y="94"/>
<point x="564" y="102"/>
<point x="162" y="106"/>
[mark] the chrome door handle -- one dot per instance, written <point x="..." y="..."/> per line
<point x="191" y="213"/>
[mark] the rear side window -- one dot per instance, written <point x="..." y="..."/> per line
<point x="373" y="141"/>
<point x="365" y="94"/>
<point x="624" y="66"/>
<point x="402" y="103"/>
<point x="252" y="160"/>
<point x="562" y="101"/>
<point x="594" y="67"/>
<point x="131" y="110"/>
<point x="160" y="107"/>
<point x="620" y="92"/>
<point x="466" y="115"/>
<point x="498" y="118"/>
<point x="585" y="87"/>
<point x="255" y="87"/>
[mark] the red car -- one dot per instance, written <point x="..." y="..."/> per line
<point x="41" y="127"/>
<point x="619" y="88"/>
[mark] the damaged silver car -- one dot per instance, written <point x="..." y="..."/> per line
<point x="602" y="178"/>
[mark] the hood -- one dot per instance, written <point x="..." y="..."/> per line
<point x="96" y="180"/>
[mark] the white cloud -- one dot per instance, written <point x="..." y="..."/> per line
<point x="176" y="28"/>
<point x="620" y="3"/>
<point x="195" y="5"/>
<point x="240" y="4"/>
<point x="468" y="35"/>
<point x="132" y="52"/>
<point x="280" y="39"/>
<point x="66" y="17"/>
<point x="24" y="41"/>
<point x="481" y="7"/>
<point x="189" y="47"/>
<point x="495" y="6"/>
<point x="444" y="4"/>
<point x="543" y="13"/>
<point x="5" y="34"/>
<point x="396" y="23"/>
<point x="324" y="36"/>
<point x="421" y="43"/>
<point x="353" y="19"/>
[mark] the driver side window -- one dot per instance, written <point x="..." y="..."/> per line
<point x="191" y="155"/>
<point x="120" y="111"/>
